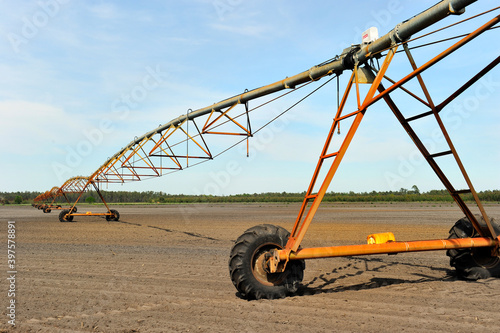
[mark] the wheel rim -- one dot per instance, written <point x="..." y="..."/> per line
<point x="483" y="258"/>
<point x="258" y="264"/>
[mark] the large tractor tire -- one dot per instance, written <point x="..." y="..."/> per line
<point x="476" y="263"/>
<point x="63" y="217"/>
<point x="246" y="264"/>
<point x="114" y="217"/>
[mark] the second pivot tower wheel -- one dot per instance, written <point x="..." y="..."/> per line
<point x="115" y="216"/>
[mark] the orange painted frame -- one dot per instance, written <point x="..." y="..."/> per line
<point x="489" y="237"/>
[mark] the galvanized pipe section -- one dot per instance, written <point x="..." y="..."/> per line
<point x="406" y="29"/>
<point x="391" y="247"/>
<point x="401" y="32"/>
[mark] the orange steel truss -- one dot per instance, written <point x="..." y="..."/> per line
<point x="179" y="146"/>
<point x="42" y="200"/>
<point x="312" y="199"/>
<point x="48" y="199"/>
<point x="182" y="144"/>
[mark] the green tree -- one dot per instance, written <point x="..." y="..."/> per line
<point x="90" y="200"/>
<point x="415" y="189"/>
<point x="18" y="200"/>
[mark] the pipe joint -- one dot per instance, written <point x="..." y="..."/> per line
<point x="454" y="11"/>
<point x="395" y="37"/>
<point x="349" y="58"/>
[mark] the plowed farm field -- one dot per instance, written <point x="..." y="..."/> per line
<point x="165" y="269"/>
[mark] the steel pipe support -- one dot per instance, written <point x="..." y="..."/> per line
<point x="386" y="248"/>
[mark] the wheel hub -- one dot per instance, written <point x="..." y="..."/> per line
<point x="261" y="271"/>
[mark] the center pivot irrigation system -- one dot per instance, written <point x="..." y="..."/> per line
<point x="267" y="261"/>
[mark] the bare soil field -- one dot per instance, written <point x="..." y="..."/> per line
<point x="165" y="269"/>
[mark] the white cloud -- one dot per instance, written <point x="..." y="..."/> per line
<point x="30" y="128"/>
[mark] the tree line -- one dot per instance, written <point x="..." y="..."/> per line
<point x="152" y="197"/>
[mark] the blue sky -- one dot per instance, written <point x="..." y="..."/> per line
<point x="69" y="68"/>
